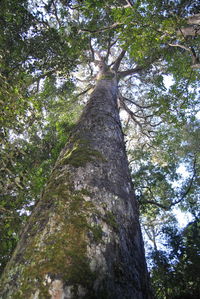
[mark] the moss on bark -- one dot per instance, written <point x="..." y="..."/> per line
<point x="61" y="253"/>
<point x="80" y="154"/>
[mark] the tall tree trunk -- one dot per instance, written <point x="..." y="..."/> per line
<point x="83" y="239"/>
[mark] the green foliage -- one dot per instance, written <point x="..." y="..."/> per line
<point x="149" y="28"/>
<point x="27" y="162"/>
<point x="160" y="187"/>
<point x="35" y="116"/>
<point x="175" y="273"/>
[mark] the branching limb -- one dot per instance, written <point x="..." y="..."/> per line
<point x="89" y="87"/>
<point x="117" y="62"/>
<point x="108" y="49"/>
<point x="138" y="69"/>
<point x="110" y="45"/>
<point x="130" y="113"/>
<point x="133" y="116"/>
<point x="143" y="116"/>
<point x="151" y="235"/>
<point x="129" y="72"/>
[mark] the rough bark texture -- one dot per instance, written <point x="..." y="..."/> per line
<point x="83" y="239"/>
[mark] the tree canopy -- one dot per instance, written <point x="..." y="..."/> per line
<point x="48" y="55"/>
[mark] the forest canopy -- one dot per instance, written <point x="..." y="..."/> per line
<point x="49" y="50"/>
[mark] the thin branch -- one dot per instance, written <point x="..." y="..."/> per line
<point x="143" y="116"/>
<point x="110" y="45"/>
<point x="136" y="104"/>
<point x="152" y="237"/>
<point x="91" y="69"/>
<point x="75" y="7"/>
<point x="155" y="125"/>
<point x="189" y="186"/>
<point x="113" y="26"/>
<point x="49" y="73"/>
<point x="127" y="123"/>
<point x="85" y="80"/>
<point x="180" y="46"/>
<point x="155" y="203"/>
<point x="133" y="116"/>
<point x="56" y="14"/>
<point x="6" y="211"/>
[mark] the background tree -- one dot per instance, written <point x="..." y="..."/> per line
<point x="174" y="273"/>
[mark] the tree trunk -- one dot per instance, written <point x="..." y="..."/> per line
<point x="83" y="239"/>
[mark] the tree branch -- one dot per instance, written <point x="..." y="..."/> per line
<point x="117" y="62"/>
<point x="129" y="3"/>
<point x="189" y="186"/>
<point x="110" y="45"/>
<point x="42" y="76"/>
<point x="91" y="49"/>
<point x="130" y="72"/>
<point x="133" y="116"/>
<point x="155" y="203"/>
<point x="113" y="26"/>
<point x="177" y="201"/>
<point x="136" y="104"/>
<point x="56" y="14"/>
<point x="90" y="86"/>
<point x="147" y="63"/>
<point x="195" y="58"/>
<point x="180" y="46"/>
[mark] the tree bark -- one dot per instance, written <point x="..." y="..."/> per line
<point x="83" y="239"/>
